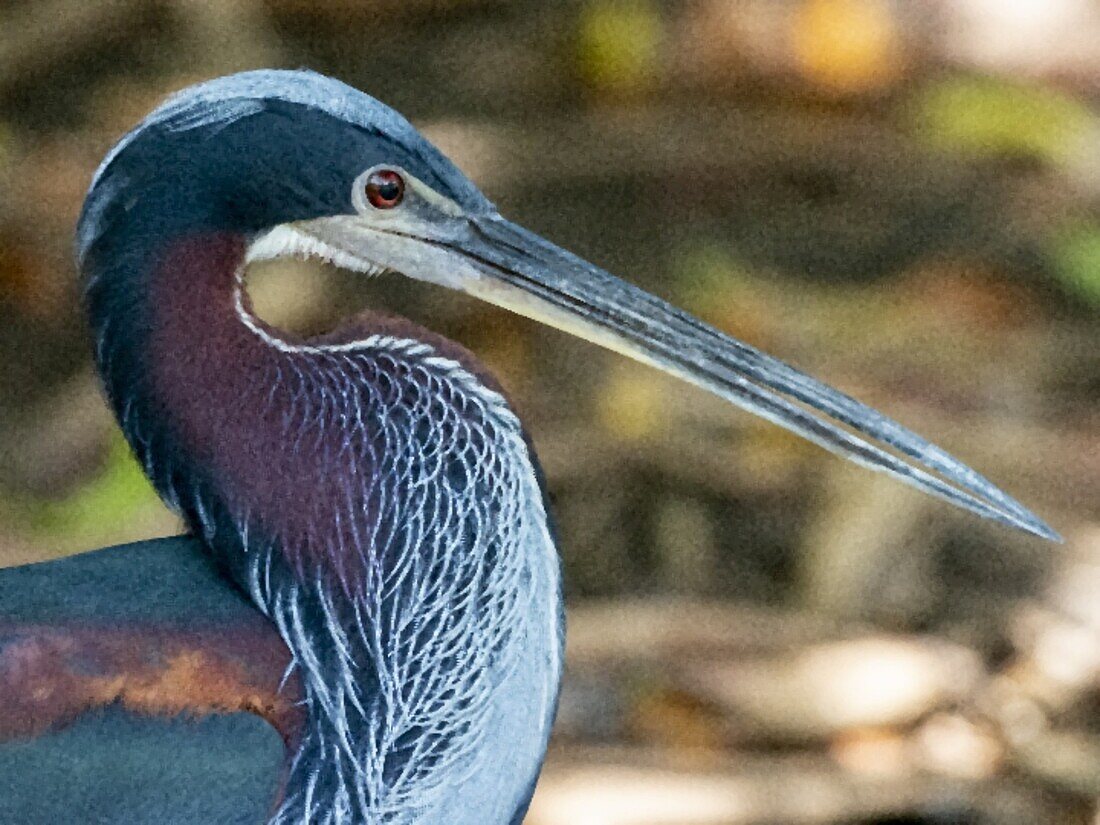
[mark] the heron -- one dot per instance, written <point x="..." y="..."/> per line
<point x="371" y="568"/>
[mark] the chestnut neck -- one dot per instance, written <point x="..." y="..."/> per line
<point x="315" y="499"/>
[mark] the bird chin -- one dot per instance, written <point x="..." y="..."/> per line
<point x="348" y="242"/>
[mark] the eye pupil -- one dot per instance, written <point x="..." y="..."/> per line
<point x="385" y="189"/>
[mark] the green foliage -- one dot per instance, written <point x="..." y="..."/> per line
<point x="118" y="495"/>
<point x="990" y="116"/>
<point x="619" y="44"/>
<point x="1076" y="255"/>
<point x="707" y="274"/>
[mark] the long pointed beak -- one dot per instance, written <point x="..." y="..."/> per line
<point x="522" y="272"/>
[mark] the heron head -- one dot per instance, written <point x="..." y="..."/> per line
<point x="303" y="165"/>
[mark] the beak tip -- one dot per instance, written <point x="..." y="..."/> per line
<point x="1050" y="534"/>
<point x="1037" y="527"/>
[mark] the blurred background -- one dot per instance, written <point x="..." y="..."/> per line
<point x="900" y="197"/>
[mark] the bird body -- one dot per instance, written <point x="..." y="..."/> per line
<point x="371" y="490"/>
<point x="139" y="686"/>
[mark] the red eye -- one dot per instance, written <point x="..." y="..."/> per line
<point x="385" y="189"/>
